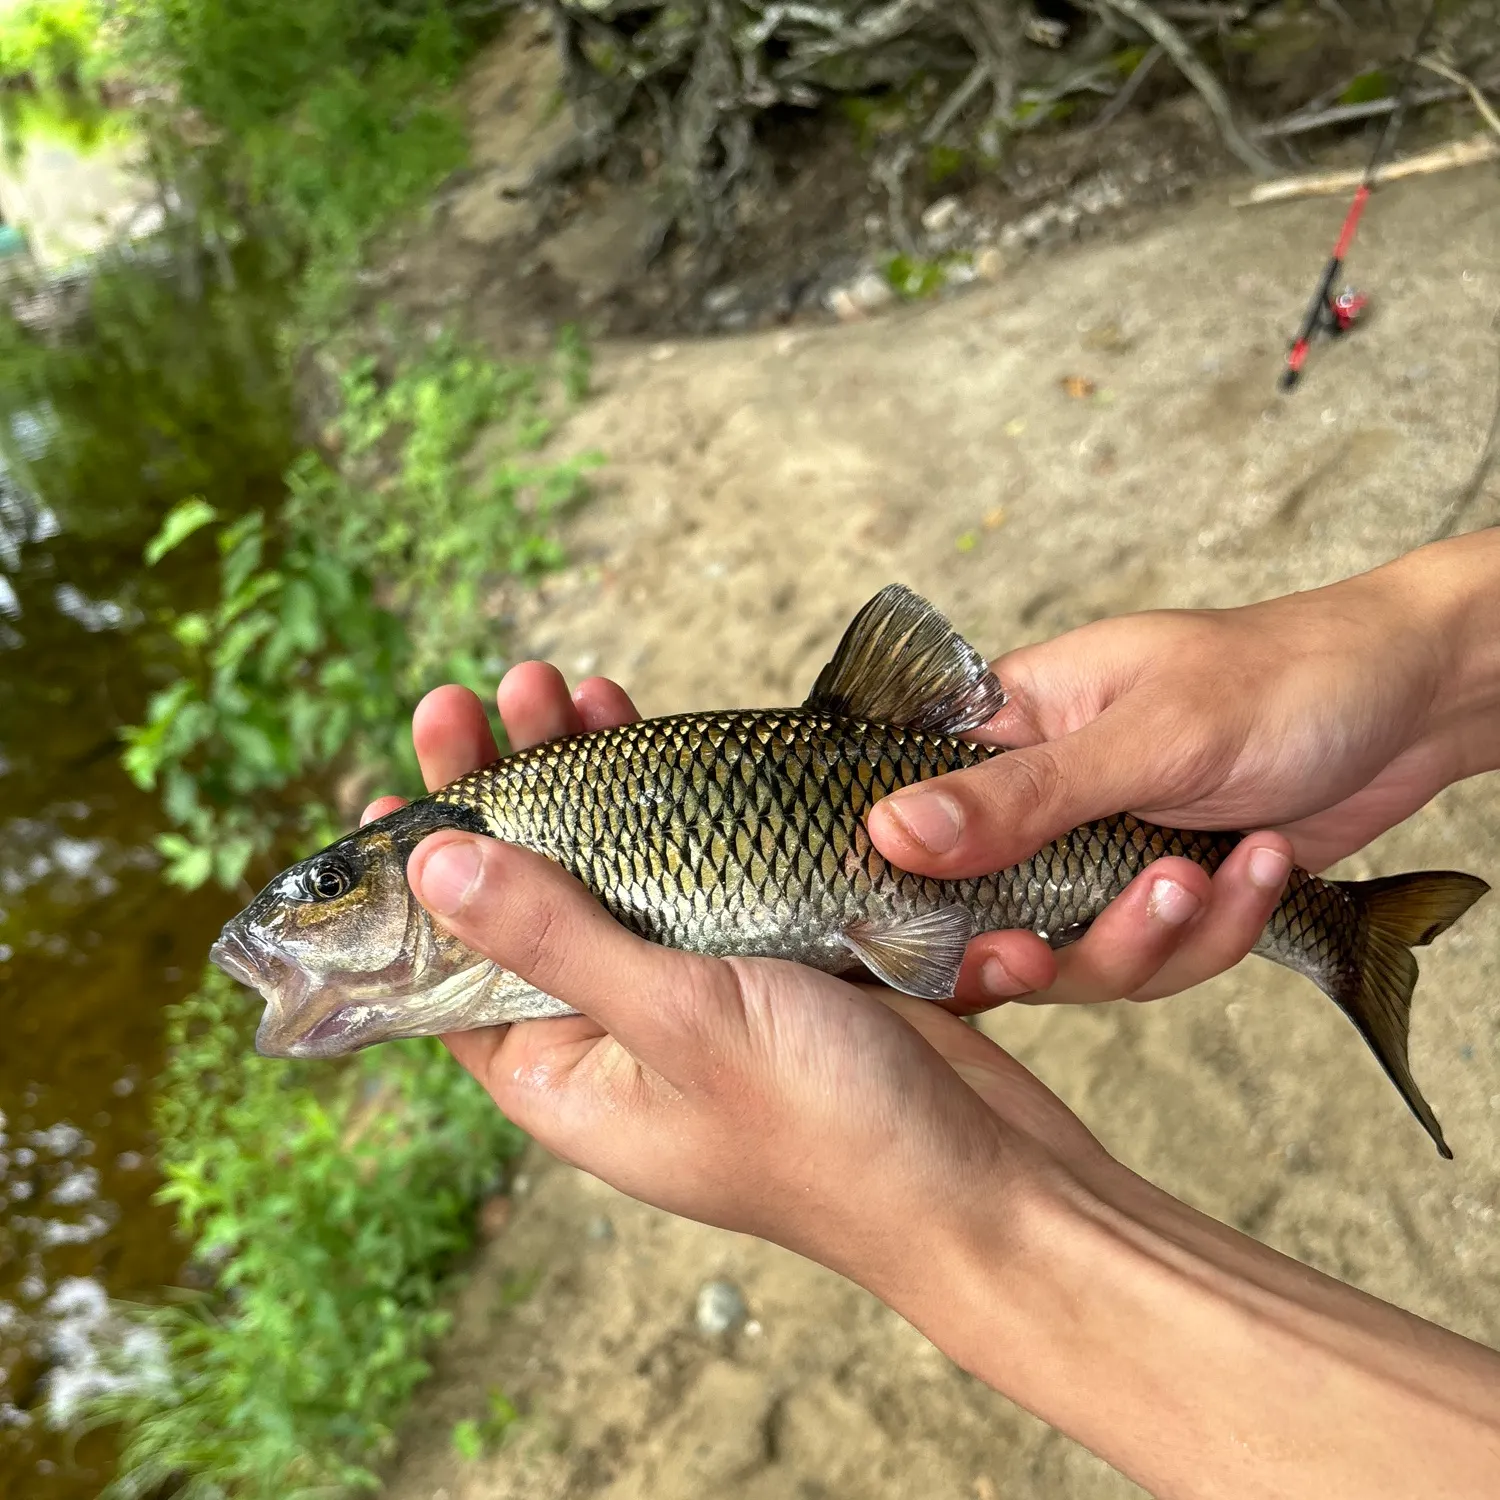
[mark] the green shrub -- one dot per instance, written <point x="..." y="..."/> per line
<point x="327" y="1208"/>
<point x="50" y="43"/>
<point x="296" y="671"/>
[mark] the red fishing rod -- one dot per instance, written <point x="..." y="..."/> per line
<point x="1338" y="314"/>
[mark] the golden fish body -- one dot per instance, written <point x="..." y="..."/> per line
<point x="743" y="834"/>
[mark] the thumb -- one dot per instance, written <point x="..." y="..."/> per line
<point x="995" y="815"/>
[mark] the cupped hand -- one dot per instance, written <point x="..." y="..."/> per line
<point x="1310" y="718"/>
<point x="841" y="1120"/>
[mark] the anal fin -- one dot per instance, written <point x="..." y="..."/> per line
<point x="919" y="956"/>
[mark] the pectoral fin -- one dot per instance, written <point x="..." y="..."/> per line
<point x="918" y="956"/>
<point x="901" y="663"/>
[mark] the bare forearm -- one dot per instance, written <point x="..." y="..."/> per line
<point x="1205" y="1365"/>
<point x="1452" y="591"/>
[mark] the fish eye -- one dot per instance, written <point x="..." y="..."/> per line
<point x="327" y="880"/>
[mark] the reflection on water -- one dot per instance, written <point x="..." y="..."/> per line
<point x="167" y="396"/>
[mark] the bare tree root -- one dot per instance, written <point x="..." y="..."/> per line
<point x="692" y="81"/>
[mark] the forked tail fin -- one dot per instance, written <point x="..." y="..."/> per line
<point x="1400" y="912"/>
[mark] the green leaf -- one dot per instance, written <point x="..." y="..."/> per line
<point x="467" y="1441"/>
<point x="188" y="864"/>
<point x="1373" y="84"/>
<point x="192" y="630"/>
<point x="181" y="522"/>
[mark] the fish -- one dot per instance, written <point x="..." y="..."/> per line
<point x="743" y="833"/>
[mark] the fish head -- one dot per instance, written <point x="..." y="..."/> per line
<point x="341" y="950"/>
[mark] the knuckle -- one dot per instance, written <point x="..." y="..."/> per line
<point x="1040" y="775"/>
<point x="536" y="932"/>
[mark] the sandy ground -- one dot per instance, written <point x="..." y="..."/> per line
<point x="758" y="490"/>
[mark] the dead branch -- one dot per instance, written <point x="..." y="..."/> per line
<point x="1177" y="47"/>
<point x="1469" y="153"/>
<point x="1129" y="89"/>
<point x="1347" y="114"/>
<point x="1486" y="111"/>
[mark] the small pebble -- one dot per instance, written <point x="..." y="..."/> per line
<point x="989" y="264"/>
<point x="721" y="299"/>
<point x="721" y="1308"/>
<point x="864" y="295"/>
<point x="494" y="1215"/>
<point x="938" y="216"/>
<point x="753" y="1329"/>
<point x="601" y="1228"/>
<point x="520" y="1186"/>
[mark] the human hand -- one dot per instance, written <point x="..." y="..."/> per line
<point x="844" y="1121"/>
<point x="1318" y="716"/>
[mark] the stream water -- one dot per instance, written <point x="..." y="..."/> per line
<point x="159" y="395"/>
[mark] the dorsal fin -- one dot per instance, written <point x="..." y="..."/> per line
<point x="901" y="663"/>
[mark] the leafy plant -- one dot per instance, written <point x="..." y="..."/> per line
<point x="453" y="498"/>
<point x="294" y="667"/>
<point x="322" y="121"/>
<point x="912" y="278"/>
<point x="472" y="1438"/>
<point x="297" y="669"/>
<point x="326" y="1214"/>
<point x="49" y="42"/>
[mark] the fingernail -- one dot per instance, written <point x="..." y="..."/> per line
<point x="1269" y="868"/>
<point x="997" y="981"/>
<point x="932" y="819"/>
<point x="1171" y="903"/>
<point x="450" y="877"/>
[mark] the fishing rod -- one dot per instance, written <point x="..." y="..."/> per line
<point x="1338" y="314"/>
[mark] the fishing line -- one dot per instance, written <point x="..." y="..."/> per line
<point x="1321" y="310"/>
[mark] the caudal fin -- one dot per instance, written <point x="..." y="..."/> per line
<point x="1400" y="912"/>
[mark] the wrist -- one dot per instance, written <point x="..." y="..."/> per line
<point x="1447" y="596"/>
<point x="1201" y="1363"/>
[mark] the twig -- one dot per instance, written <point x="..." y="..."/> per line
<point x="978" y="76"/>
<point x="1476" y="149"/>
<point x="868" y="30"/>
<point x="1128" y="90"/>
<point x="891" y="174"/>
<point x="774" y="15"/>
<point x="1487" y="113"/>
<point x="1344" y="114"/>
<point x="1176" y="46"/>
<point x="1203" y="10"/>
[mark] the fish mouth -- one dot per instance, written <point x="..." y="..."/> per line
<point x="347" y="1028"/>
<point x="238" y="960"/>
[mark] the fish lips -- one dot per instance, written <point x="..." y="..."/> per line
<point x="236" y="958"/>
<point x="281" y="983"/>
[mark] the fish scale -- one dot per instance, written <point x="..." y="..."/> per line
<point x="706" y="831"/>
<point x="742" y="833"/>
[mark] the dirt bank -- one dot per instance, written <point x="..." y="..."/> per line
<point x="757" y="491"/>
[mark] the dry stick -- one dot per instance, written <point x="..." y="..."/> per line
<point x="1176" y="46"/>
<point x="1435" y="65"/>
<point x="1343" y="114"/>
<point x="1128" y="90"/>
<point x="1476" y="149"/>
<point x="977" y="78"/>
